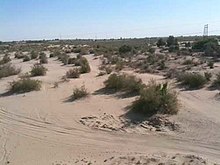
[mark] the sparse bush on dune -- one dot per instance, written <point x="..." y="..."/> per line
<point x="216" y="82"/>
<point x="156" y="98"/>
<point x="208" y="76"/>
<point x="38" y="70"/>
<point x="64" y="58"/>
<point x="192" y="80"/>
<point x="73" y="73"/>
<point x="26" y="58"/>
<point x="71" y="60"/>
<point x="211" y="64"/>
<point x="128" y="83"/>
<point x="7" y="70"/>
<point x="188" y="62"/>
<point x="43" y="58"/>
<point x="5" y="59"/>
<point x="79" y="93"/>
<point x="24" y="85"/>
<point x="85" y="68"/>
<point x="19" y="55"/>
<point x="34" y="55"/>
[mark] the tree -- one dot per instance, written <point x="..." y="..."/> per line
<point x="161" y="42"/>
<point x="171" y="41"/>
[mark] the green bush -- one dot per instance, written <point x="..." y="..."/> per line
<point x="38" y="70"/>
<point x="24" y="85"/>
<point x="26" y="58"/>
<point x="5" y="59"/>
<point x="79" y="93"/>
<point x="156" y="98"/>
<point x="7" y="70"/>
<point x="123" y="82"/>
<point x="73" y="73"/>
<point x="192" y="80"/>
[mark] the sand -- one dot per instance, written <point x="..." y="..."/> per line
<point x="43" y="128"/>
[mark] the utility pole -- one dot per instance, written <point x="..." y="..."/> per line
<point x="206" y="30"/>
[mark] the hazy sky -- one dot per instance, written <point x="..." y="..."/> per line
<point x="49" y="19"/>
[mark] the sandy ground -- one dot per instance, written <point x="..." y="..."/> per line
<point x="43" y="128"/>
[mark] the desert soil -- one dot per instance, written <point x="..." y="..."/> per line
<point x="43" y="128"/>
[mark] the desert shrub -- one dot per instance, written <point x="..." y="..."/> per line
<point x="156" y="98"/>
<point x="43" y="58"/>
<point x="19" y="55"/>
<point x="188" y="62"/>
<point x="84" y="51"/>
<point x="79" y="93"/>
<point x="64" y="58"/>
<point x="119" y="65"/>
<point x="7" y="70"/>
<point x="73" y="73"/>
<point x="34" y="55"/>
<point x="125" y="49"/>
<point x="208" y="76"/>
<point x="85" y="68"/>
<point x="5" y="59"/>
<point x="101" y="73"/>
<point x="216" y="82"/>
<point x="26" y="58"/>
<point x="76" y="50"/>
<point x="192" y="80"/>
<point x="71" y="60"/>
<point x="152" y="50"/>
<point x="106" y="68"/>
<point x="162" y="65"/>
<point x="24" y="85"/>
<point x="211" y="64"/>
<point x="123" y="82"/>
<point x="38" y="70"/>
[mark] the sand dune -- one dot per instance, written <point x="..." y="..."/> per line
<point x="42" y="127"/>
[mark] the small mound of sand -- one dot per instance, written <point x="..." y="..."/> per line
<point x="157" y="123"/>
<point x="161" y="159"/>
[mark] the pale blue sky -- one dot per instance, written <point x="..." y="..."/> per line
<point x="49" y="19"/>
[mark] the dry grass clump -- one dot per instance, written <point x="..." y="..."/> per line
<point x="7" y="70"/>
<point x="24" y="85"/>
<point x="38" y="70"/>
<point x="156" y="98"/>
<point x="124" y="82"/>
<point x="192" y="80"/>
<point x="73" y="73"/>
<point x="79" y="93"/>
